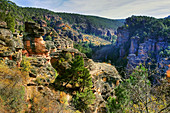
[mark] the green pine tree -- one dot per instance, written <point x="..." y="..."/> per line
<point x="118" y="103"/>
<point x="10" y="22"/>
<point x="80" y="79"/>
<point x="82" y="100"/>
<point x="2" y="16"/>
<point x="77" y="75"/>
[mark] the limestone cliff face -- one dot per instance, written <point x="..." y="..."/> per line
<point x="38" y="54"/>
<point x="63" y="43"/>
<point x="33" y="41"/>
<point x="105" y="77"/>
<point x="89" y="29"/>
<point x="134" y="45"/>
<point x="122" y="39"/>
<point x="147" y="51"/>
<point x="10" y="45"/>
<point x="122" y="36"/>
<point x="142" y="52"/>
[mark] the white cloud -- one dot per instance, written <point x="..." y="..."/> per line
<point x="104" y="8"/>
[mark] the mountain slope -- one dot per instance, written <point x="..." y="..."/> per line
<point x="87" y="24"/>
<point x="95" y="21"/>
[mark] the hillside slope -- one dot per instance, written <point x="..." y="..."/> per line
<point x="105" y="28"/>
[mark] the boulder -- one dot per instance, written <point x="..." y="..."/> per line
<point x="3" y="24"/>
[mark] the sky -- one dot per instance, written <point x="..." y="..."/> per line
<point x="113" y="9"/>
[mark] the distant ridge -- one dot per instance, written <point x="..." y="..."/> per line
<point x="98" y="22"/>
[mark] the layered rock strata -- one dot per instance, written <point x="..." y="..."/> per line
<point x="38" y="55"/>
<point x="10" y="45"/>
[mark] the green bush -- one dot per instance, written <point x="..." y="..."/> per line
<point x="10" y="22"/>
<point x="80" y="80"/>
<point x="84" y="48"/>
<point x="118" y="103"/>
<point x="68" y="56"/>
<point x="48" y="37"/>
<point x="25" y="64"/>
<point x="82" y="100"/>
<point x="135" y="94"/>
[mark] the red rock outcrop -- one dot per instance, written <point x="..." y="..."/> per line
<point x="33" y="42"/>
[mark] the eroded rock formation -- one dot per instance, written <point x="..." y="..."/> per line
<point x="10" y="45"/>
<point x="33" y="41"/>
<point x="122" y="36"/>
<point x="37" y="53"/>
<point x="105" y="78"/>
<point x="142" y="52"/>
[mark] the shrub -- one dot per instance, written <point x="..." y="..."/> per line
<point x="80" y="80"/>
<point x="12" y="92"/>
<point x="119" y="103"/>
<point x="68" y="56"/>
<point x="82" y="100"/>
<point x="25" y="64"/>
<point x="10" y="22"/>
<point x="48" y="37"/>
<point x="136" y="94"/>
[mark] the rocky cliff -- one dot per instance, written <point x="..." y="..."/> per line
<point x="42" y="61"/>
<point x="142" y="48"/>
<point x="148" y="52"/>
<point x="11" y="45"/>
<point x="89" y="29"/>
<point x="104" y="76"/>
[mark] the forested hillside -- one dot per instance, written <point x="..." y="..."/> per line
<point x="86" y="24"/>
<point x="92" y="20"/>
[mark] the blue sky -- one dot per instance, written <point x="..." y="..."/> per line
<point x="105" y="8"/>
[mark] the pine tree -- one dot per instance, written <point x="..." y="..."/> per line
<point x="2" y="16"/>
<point x="10" y="22"/>
<point x="77" y="75"/>
<point x="80" y="79"/>
<point x="118" y="103"/>
<point x="82" y="100"/>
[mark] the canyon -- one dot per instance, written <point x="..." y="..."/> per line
<point x="71" y="63"/>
